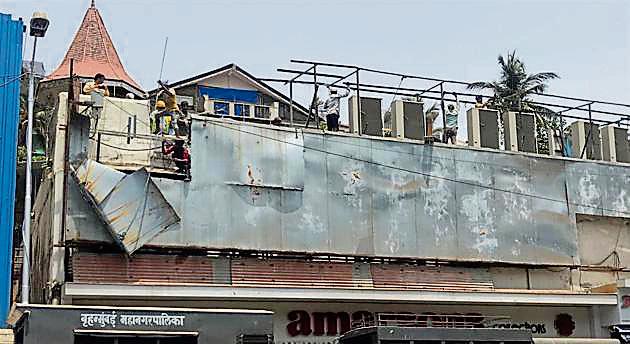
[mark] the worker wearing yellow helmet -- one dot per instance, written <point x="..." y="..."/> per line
<point x="156" y="117"/>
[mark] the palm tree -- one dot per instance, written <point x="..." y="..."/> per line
<point x="513" y="91"/>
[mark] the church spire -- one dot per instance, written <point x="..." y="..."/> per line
<point x="93" y="52"/>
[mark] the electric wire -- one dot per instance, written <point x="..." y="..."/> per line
<point x="452" y="180"/>
<point x="12" y="80"/>
<point x="127" y="149"/>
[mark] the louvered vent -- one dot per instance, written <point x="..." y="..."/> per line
<point x="254" y="339"/>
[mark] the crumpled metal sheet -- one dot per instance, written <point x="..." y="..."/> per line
<point x="132" y="206"/>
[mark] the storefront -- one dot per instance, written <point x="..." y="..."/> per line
<point x="122" y="325"/>
<point x="319" y="315"/>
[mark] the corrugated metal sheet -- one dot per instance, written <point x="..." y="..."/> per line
<point x="251" y="272"/>
<point x="11" y="35"/>
<point x="131" y="206"/>
<point x="141" y="269"/>
<point x="257" y="188"/>
<point x="428" y="277"/>
<point x="174" y="269"/>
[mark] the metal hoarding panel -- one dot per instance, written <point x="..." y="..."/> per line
<point x="136" y="211"/>
<point x="393" y="195"/>
<point x="364" y="196"/>
<point x="11" y="35"/>
<point x="98" y="179"/>
<point x="131" y="206"/>
<point x="348" y="182"/>
<point x="436" y="204"/>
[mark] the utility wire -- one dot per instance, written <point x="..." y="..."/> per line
<point x="453" y="180"/>
<point x="127" y="149"/>
<point x="12" y="80"/>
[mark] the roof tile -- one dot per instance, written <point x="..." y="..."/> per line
<point x="93" y="52"/>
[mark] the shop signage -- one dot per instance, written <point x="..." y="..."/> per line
<point x="303" y="323"/>
<point x="113" y="319"/>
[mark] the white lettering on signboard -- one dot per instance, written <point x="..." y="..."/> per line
<point x="104" y="320"/>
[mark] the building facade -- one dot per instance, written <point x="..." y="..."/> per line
<point x="326" y="230"/>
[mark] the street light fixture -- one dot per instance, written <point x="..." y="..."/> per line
<point x="38" y="27"/>
<point x="39" y="24"/>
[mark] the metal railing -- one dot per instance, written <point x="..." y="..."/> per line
<point x="336" y="75"/>
<point x="430" y="320"/>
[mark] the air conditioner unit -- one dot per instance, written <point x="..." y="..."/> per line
<point x="370" y="121"/>
<point x="407" y="119"/>
<point x="483" y="128"/>
<point x="580" y="138"/>
<point x="615" y="143"/>
<point x="519" y="131"/>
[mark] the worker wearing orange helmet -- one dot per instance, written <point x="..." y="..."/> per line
<point x="158" y="125"/>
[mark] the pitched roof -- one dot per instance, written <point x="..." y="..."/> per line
<point x="93" y="52"/>
<point x="233" y="66"/>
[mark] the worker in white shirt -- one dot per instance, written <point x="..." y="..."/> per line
<point x="330" y="108"/>
<point x="452" y="114"/>
<point x="98" y="85"/>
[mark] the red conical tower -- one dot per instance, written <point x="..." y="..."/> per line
<point x="93" y="52"/>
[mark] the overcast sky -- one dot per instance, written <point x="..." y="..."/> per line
<point x="586" y="42"/>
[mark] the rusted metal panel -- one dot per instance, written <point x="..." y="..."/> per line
<point x="141" y="269"/>
<point x="98" y="179"/>
<point x="88" y="267"/>
<point x="428" y="277"/>
<point x="250" y="272"/>
<point x="352" y="195"/>
<point x="132" y="206"/>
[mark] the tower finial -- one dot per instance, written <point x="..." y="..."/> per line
<point x="93" y="5"/>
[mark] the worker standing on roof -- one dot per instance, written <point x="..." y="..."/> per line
<point x="171" y="111"/>
<point x="98" y="85"/>
<point x="451" y="115"/>
<point x="180" y="155"/>
<point x="330" y="108"/>
<point x="156" y="117"/>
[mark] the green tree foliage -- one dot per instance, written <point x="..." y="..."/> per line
<point x="513" y="91"/>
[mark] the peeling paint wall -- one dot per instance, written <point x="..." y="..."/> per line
<point x="265" y="188"/>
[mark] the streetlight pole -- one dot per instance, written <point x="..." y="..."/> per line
<point x="39" y="25"/>
<point x="26" y="234"/>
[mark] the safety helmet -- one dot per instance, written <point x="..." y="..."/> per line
<point x="160" y="104"/>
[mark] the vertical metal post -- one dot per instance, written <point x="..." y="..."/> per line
<point x="589" y="135"/>
<point x="26" y="235"/>
<point x="590" y="130"/>
<point x="315" y="82"/>
<point x="98" y="147"/>
<point x="443" y="112"/>
<point x="359" y="122"/>
<point x="129" y="130"/>
<point x="561" y="136"/>
<point x="291" y="103"/>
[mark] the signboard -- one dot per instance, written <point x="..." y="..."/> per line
<point x="321" y="323"/>
<point x="109" y="320"/>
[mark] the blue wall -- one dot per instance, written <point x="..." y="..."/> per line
<point x="11" y="35"/>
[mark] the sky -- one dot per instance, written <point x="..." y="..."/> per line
<point x="586" y="42"/>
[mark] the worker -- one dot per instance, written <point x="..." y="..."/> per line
<point x="156" y="117"/>
<point x="180" y="155"/>
<point x="170" y="98"/>
<point x="451" y="116"/>
<point x="479" y="104"/>
<point x="330" y="108"/>
<point x="172" y="110"/>
<point x="183" y="119"/>
<point x="98" y="85"/>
